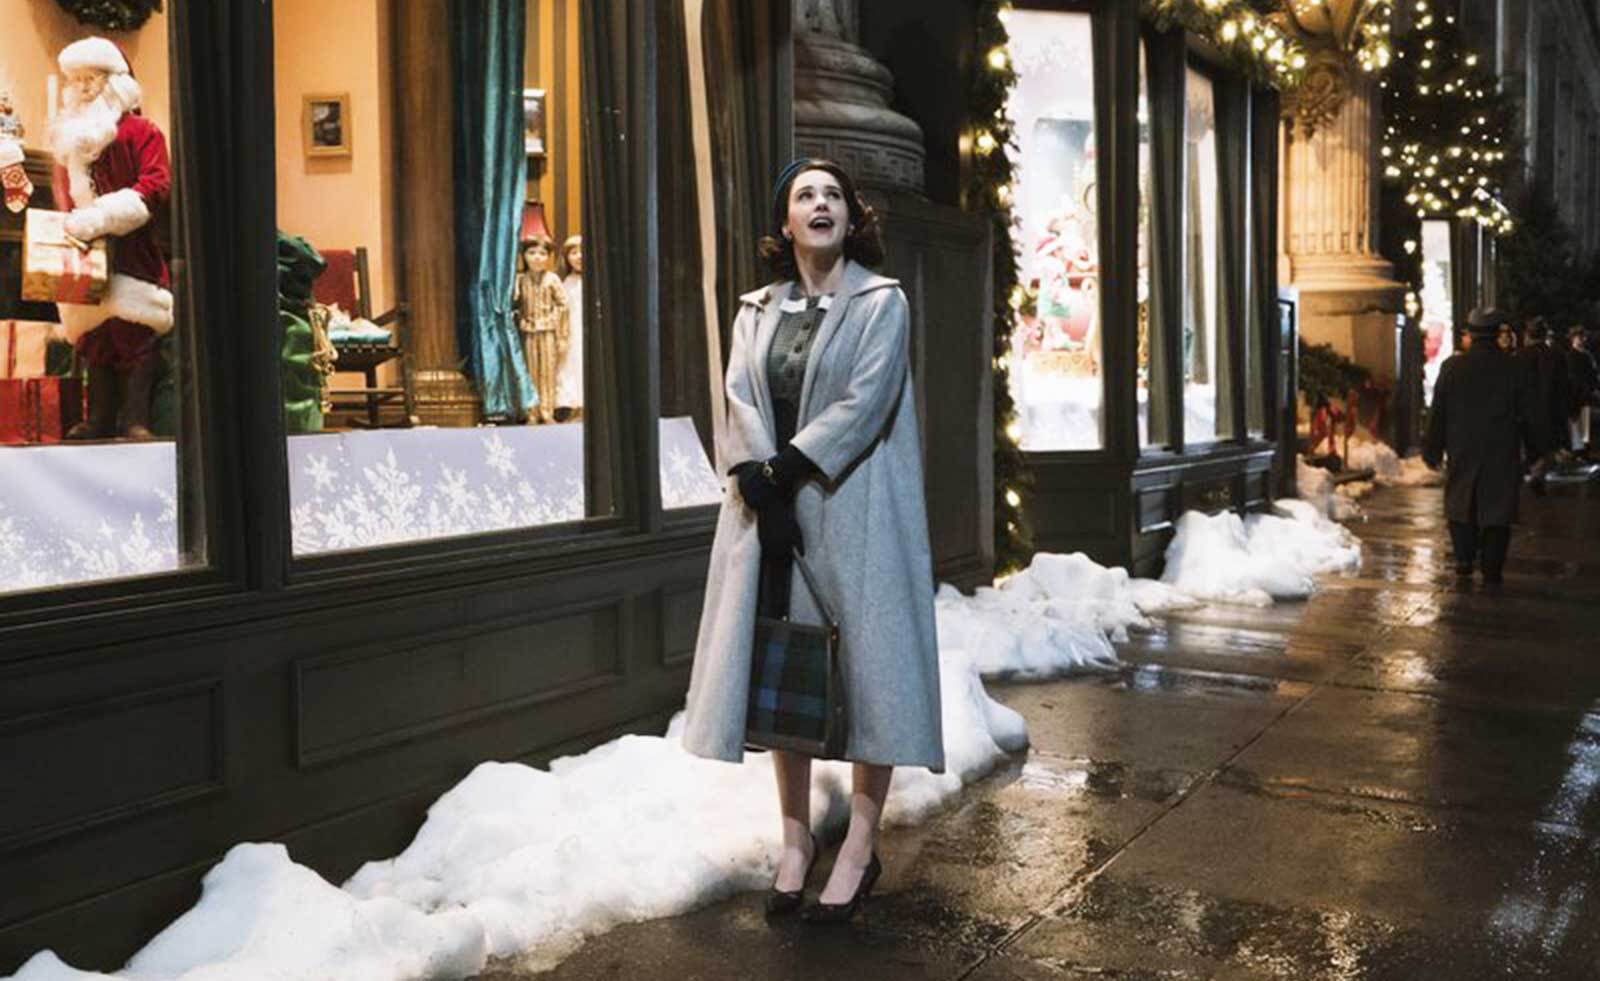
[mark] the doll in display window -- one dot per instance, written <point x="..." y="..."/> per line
<point x="540" y="302"/>
<point x="569" y="384"/>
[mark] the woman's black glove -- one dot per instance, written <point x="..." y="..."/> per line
<point x="778" y="530"/>
<point x="773" y="482"/>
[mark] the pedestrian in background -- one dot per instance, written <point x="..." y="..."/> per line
<point x="1583" y="377"/>
<point x="1484" y="419"/>
<point x="1546" y="372"/>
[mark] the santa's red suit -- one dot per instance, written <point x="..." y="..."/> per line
<point x="112" y="191"/>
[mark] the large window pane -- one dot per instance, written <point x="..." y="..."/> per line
<point x="1438" y="305"/>
<point x="437" y="349"/>
<point x="1055" y="344"/>
<point x="1206" y="401"/>
<point x="93" y="389"/>
<point x="1154" y="394"/>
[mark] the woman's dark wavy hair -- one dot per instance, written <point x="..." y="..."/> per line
<point x="861" y="242"/>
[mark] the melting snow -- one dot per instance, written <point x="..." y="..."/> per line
<point x="517" y="861"/>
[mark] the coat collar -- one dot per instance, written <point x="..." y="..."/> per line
<point x="858" y="279"/>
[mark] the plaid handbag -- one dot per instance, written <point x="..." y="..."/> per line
<point x="797" y="697"/>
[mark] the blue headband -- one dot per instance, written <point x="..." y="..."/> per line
<point x="788" y="174"/>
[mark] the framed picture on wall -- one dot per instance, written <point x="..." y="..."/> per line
<point x="326" y="121"/>
<point x="533" y="121"/>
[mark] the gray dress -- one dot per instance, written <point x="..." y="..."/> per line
<point x="786" y="372"/>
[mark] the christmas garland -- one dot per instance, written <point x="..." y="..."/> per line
<point x="111" y="15"/>
<point x="989" y="190"/>
<point x="1252" y="43"/>
<point x="1449" y="141"/>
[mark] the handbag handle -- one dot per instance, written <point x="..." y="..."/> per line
<point x="816" y="594"/>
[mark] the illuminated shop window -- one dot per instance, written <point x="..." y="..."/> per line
<point x="439" y="364"/>
<point x="96" y="356"/>
<point x="1154" y="396"/>
<point x="1206" y="392"/>
<point x="1438" y="306"/>
<point x="1056" y="368"/>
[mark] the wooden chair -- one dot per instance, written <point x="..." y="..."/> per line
<point x="347" y="283"/>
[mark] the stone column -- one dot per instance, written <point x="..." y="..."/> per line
<point x="1349" y="296"/>
<point x="841" y="101"/>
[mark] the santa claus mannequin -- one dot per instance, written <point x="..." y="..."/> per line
<point x="111" y="175"/>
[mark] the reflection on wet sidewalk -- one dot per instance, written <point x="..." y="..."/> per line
<point x="1397" y="780"/>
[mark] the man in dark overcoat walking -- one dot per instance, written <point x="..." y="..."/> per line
<point x="1547" y="375"/>
<point x="1484" y="415"/>
<point x="1584" y="378"/>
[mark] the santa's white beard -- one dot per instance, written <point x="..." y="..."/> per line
<point x="77" y="137"/>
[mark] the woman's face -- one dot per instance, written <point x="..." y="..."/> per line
<point x="1505" y="338"/>
<point x="575" y="258"/>
<point x="536" y="256"/>
<point x="819" y="218"/>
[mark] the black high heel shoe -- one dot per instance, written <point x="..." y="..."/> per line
<point x="842" y="912"/>
<point x="782" y="903"/>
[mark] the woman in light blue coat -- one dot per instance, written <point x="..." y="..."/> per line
<point x="823" y="453"/>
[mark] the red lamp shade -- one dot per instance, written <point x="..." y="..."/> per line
<point x="533" y="223"/>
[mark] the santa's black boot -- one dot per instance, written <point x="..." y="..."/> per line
<point x="103" y="402"/>
<point x="138" y="388"/>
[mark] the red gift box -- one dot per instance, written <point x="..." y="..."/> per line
<point x="39" y="410"/>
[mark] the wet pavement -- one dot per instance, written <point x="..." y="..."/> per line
<point x="1397" y="780"/>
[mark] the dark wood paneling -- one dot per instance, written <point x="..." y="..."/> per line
<point x="127" y="756"/>
<point x="941" y="256"/>
<point x="378" y="696"/>
<point x="680" y="622"/>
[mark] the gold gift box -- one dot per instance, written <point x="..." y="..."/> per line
<point x="57" y="268"/>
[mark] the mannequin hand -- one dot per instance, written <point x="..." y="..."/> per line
<point x="85" y="224"/>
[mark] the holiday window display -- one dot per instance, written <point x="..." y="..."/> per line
<point x="10" y="126"/>
<point x="112" y="173"/>
<point x="540" y="302"/>
<point x="1201" y="329"/>
<point x="569" y="385"/>
<point x="1438" y="307"/>
<point x="1055" y="340"/>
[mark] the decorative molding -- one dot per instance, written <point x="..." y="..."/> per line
<point x="464" y="644"/>
<point x="842" y="97"/>
<point x="104" y="712"/>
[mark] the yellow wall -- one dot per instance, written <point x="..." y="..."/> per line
<point x="324" y="46"/>
<point x="552" y="64"/>
<point x="35" y="31"/>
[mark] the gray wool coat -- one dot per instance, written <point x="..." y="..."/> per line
<point x="864" y="525"/>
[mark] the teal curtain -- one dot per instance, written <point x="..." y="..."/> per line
<point x="487" y="38"/>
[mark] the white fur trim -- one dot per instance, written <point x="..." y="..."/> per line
<point x="80" y="184"/>
<point x="10" y="152"/>
<point x="93" y="53"/>
<point x="126" y="92"/>
<point x="117" y="214"/>
<point x="128" y="299"/>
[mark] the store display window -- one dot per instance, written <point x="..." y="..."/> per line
<point x="1438" y="305"/>
<point x="98" y="465"/>
<point x="1056" y="366"/>
<point x="1153" y="391"/>
<point x="1207" y="396"/>
<point x="444" y="373"/>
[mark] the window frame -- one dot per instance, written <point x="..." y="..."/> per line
<point x="222" y="59"/>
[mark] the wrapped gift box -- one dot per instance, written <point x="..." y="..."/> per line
<point x="23" y="344"/>
<point x="58" y="268"/>
<point x="39" y="410"/>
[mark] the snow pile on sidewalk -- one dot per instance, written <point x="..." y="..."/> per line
<point x="1256" y="560"/>
<point x="1389" y="468"/>
<point x="520" y="862"/>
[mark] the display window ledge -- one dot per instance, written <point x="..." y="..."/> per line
<point x="81" y="622"/>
